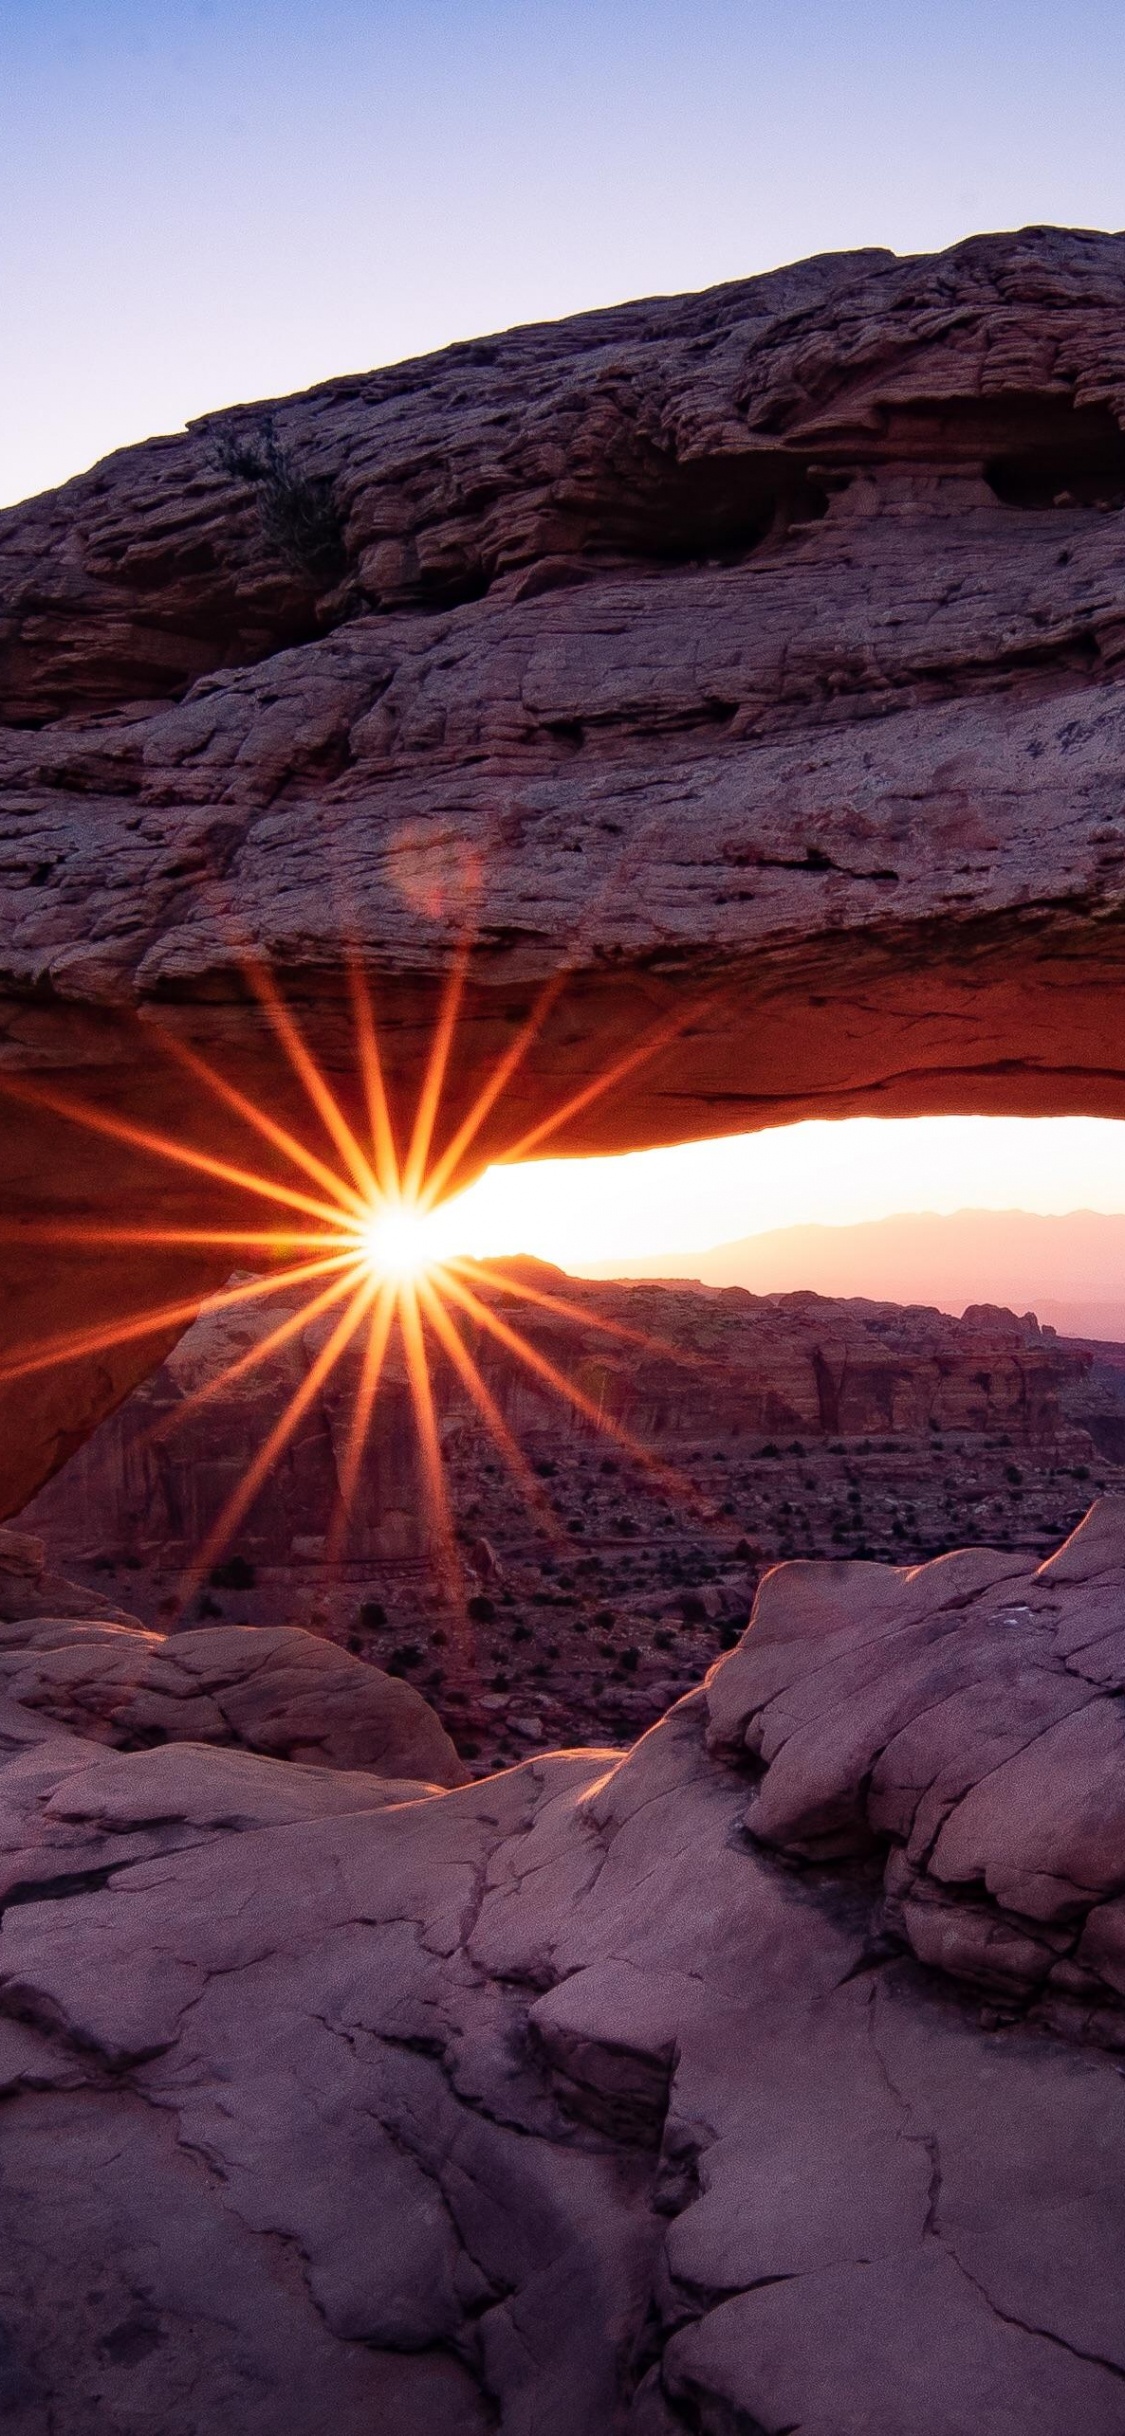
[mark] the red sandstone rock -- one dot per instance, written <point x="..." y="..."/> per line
<point x="556" y="2101"/>
<point x="27" y="1589"/>
<point x="750" y="659"/>
<point x="283" y="1692"/>
<point x="962" y="1716"/>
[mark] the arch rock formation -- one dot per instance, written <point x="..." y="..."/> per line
<point x="745" y="664"/>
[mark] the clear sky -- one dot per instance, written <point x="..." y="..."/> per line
<point x="208" y="200"/>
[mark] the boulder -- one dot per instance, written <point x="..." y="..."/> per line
<point x="28" y="1588"/>
<point x="268" y="1689"/>
<point x="962" y="1720"/>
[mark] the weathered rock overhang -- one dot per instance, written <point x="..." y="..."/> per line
<point x="733" y="681"/>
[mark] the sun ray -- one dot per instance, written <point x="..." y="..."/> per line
<point x="308" y="1072"/>
<point x="659" y="1036"/>
<point x="255" y="1355"/>
<point x="545" y="1369"/>
<point x="462" y="1360"/>
<point x="467" y="1266"/>
<point x="429" y="1440"/>
<point x="161" y="1146"/>
<point x="267" y="1126"/>
<point x="351" y="1257"/>
<point x="374" y="1356"/>
<point x="384" y="1147"/>
<point x="501" y="1075"/>
<point x="242" y="1498"/>
<point x="429" y="1098"/>
<point x="219" y="1239"/>
<point x="52" y="1352"/>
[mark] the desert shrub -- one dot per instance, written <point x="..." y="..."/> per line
<point x="235" y="1573"/>
<point x="298" y="514"/>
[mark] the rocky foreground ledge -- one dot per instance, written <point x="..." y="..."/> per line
<point x="766" y="2078"/>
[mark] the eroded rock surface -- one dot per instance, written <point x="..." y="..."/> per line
<point x="605" y="2095"/>
<point x="965" y="1719"/>
<point x="280" y="1691"/>
<point x="747" y="662"/>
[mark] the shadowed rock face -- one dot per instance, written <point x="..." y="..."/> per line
<point x="619" y="2094"/>
<point x="748" y="660"/>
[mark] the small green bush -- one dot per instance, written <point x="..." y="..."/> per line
<point x="298" y="514"/>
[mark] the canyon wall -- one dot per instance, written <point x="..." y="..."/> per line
<point x="585" y="1597"/>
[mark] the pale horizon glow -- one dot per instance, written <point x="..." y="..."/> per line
<point x="579" y="1213"/>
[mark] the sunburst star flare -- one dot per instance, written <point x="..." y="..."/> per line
<point x="379" y="1257"/>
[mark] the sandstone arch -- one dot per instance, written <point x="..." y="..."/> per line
<point x="749" y="658"/>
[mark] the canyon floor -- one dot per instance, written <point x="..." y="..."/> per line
<point x="591" y="1595"/>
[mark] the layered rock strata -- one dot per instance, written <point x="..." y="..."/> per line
<point x="739" y="670"/>
<point x="610" y="2094"/>
<point x="586" y="1607"/>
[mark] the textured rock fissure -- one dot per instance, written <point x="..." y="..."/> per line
<point x="435" y="2050"/>
<point x="933" y="2231"/>
<point x="1045" y="2334"/>
<point x="61" y="1889"/>
<point x="290" y="2247"/>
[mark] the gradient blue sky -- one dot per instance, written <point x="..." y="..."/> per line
<point x="207" y="200"/>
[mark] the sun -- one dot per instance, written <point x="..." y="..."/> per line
<point x="370" y="1233"/>
<point x="399" y="1243"/>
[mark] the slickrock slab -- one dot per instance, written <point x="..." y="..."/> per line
<point x="270" y="1689"/>
<point x="559" y="2103"/>
<point x="964" y="1720"/>
<point x="749" y="662"/>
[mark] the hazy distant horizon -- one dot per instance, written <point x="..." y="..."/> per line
<point x="1069" y="1269"/>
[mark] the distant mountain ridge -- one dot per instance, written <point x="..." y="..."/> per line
<point x="1069" y="1270"/>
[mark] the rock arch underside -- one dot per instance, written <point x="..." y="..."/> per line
<point x="732" y="682"/>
